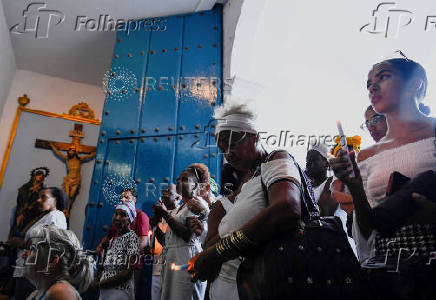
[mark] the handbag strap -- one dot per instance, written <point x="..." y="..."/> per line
<point x="434" y="141"/>
<point x="309" y="206"/>
<point x="435" y="130"/>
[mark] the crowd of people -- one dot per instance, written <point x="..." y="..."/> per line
<point x="272" y="230"/>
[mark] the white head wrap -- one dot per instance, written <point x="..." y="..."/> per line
<point x="236" y="122"/>
<point x="129" y="208"/>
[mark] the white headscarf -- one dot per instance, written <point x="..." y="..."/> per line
<point x="236" y="122"/>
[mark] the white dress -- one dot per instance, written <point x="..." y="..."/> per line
<point x="410" y="160"/>
<point x="249" y="203"/>
<point x="224" y="286"/>
<point x="177" y="285"/>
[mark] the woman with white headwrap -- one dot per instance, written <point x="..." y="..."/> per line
<point x="116" y="282"/>
<point x="269" y="206"/>
<point x="56" y="264"/>
<point x="237" y="137"/>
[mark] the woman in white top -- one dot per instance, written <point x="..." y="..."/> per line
<point x="182" y="239"/>
<point x="269" y="206"/>
<point x="57" y="264"/>
<point x="51" y="205"/>
<point x="250" y="218"/>
<point x="396" y="88"/>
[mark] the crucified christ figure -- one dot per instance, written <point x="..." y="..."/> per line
<point x="71" y="182"/>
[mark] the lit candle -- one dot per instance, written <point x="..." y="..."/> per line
<point x="342" y="136"/>
<point x="344" y="145"/>
<point x="175" y="267"/>
<point x="150" y="232"/>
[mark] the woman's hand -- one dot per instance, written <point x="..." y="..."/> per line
<point x="195" y="225"/>
<point x="154" y="220"/>
<point x="196" y="206"/>
<point x="341" y="167"/>
<point x="326" y="202"/>
<point x="159" y="210"/>
<point x="205" y="265"/>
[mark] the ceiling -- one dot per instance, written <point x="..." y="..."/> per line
<point x="57" y="49"/>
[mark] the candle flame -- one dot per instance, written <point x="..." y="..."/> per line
<point x="174" y="267"/>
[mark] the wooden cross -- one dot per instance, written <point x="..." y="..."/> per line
<point x="76" y="134"/>
<point x="73" y="160"/>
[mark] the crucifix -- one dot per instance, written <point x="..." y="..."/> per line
<point x="72" y="159"/>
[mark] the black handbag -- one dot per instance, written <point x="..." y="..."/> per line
<point x="314" y="261"/>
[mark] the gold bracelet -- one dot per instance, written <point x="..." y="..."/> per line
<point x="226" y="248"/>
<point x="241" y="241"/>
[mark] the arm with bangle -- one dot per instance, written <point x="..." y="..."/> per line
<point x="282" y="214"/>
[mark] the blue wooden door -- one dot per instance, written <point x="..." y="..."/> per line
<point x="164" y="82"/>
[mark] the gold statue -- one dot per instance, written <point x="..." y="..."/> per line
<point x="71" y="182"/>
<point x="73" y="160"/>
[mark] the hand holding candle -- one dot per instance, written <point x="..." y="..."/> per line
<point x="344" y="146"/>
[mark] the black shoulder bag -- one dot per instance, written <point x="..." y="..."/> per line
<point x="314" y="261"/>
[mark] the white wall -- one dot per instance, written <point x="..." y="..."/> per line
<point x="310" y="61"/>
<point x="54" y="95"/>
<point x="231" y="12"/>
<point x="7" y="59"/>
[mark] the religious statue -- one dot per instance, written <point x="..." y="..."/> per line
<point x="28" y="193"/>
<point x="71" y="182"/>
<point x="73" y="160"/>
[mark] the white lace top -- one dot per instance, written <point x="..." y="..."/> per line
<point x="409" y="159"/>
